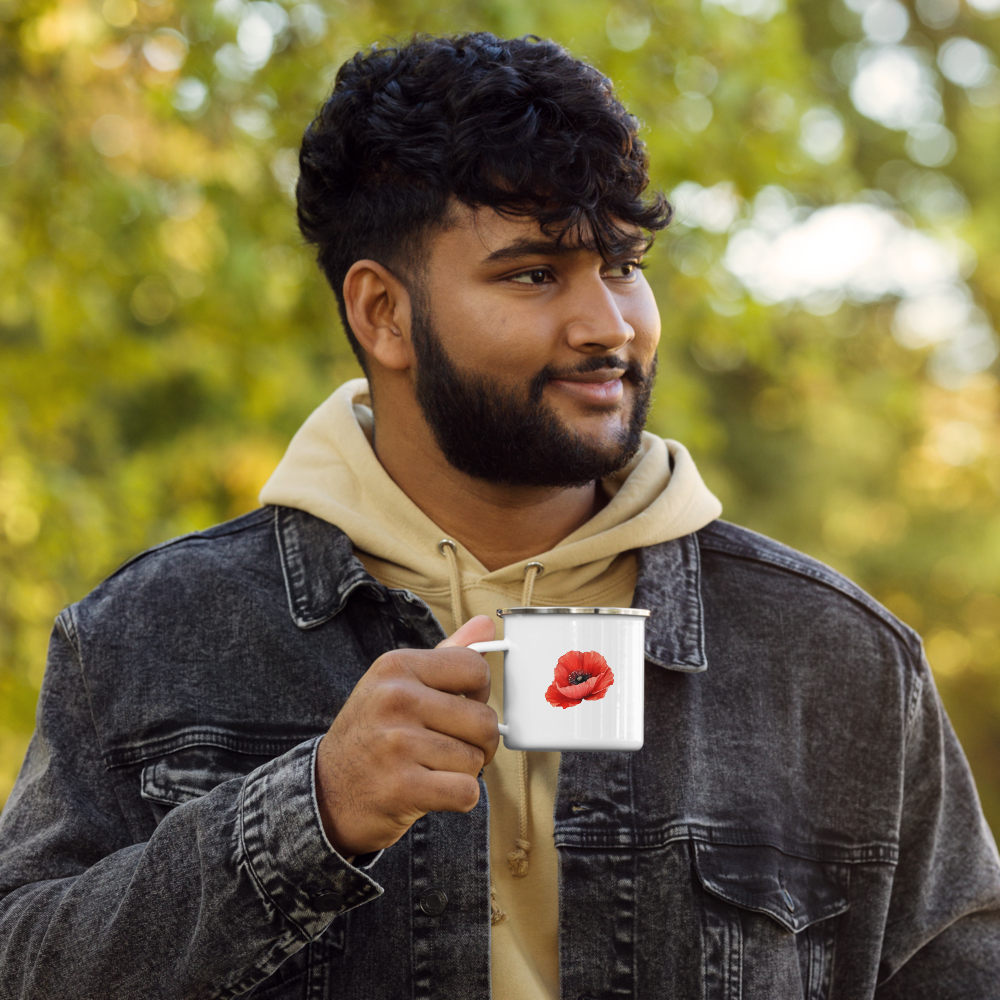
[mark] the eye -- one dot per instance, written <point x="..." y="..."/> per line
<point x="536" y="276"/>
<point x="627" y="271"/>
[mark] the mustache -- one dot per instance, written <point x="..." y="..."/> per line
<point x="632" y="372"/>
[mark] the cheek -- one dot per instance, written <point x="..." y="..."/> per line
<point x="479" y="330"/>
<point x="641" y="314"/>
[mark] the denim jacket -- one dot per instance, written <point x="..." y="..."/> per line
<point x="799" y="823"/>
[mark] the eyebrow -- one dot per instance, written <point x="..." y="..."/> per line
<point x="534" y="247"/>
<point x="526" y="247"/>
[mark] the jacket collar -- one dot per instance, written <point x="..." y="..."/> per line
<point x="321" y="573"/>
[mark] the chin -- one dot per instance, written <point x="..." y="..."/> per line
<point x="600" y="426"/>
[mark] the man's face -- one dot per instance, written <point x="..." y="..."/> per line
<point x="534" y="365"/>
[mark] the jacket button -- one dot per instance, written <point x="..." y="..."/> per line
<point x="326" y="902"/>
<point x="433" y="902"/>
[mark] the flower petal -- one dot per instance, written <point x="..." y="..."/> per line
<point x="578" y="690"/>
<point x="557" y="699"/>
<point x="594" y="663"/>
<point x="605" y="681"/>
<point x="567" y="664"/>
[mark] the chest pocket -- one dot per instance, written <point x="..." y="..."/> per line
<point x="188" y="774"/>
<point x="768" y="922"/>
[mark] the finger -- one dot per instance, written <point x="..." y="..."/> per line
<point x="478" y="629"/>
<point x="444" y="791"/>
<point x="461" y="719"/>
<point x="439" y="752"/>
<point x="455" y="671"/>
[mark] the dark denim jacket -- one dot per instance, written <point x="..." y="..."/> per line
<point x="800" y="822"/>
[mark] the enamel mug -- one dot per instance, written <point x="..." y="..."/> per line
<point x="572" y="677"/>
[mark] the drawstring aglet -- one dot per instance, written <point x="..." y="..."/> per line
<point x="517" y="860"/>
<point x="497" y="916"/>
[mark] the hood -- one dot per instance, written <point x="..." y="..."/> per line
<point x="330" y="470"/>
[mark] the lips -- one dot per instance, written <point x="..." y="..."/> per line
<point x="604" y="386"/>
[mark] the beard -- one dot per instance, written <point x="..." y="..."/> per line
<point x="512" y="436"/>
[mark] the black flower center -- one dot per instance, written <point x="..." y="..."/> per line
<point x="578" y="677"/>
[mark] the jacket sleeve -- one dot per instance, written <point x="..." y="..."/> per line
<point x="227" y="887"/>
<point x="942" y="934"/>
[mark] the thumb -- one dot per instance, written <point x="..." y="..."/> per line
<point x="478" y="629"/>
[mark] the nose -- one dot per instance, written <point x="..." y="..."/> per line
<point x="596" y="324"/>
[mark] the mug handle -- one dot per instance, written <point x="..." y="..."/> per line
<point x="495" y="646"/>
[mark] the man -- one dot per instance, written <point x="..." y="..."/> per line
<point x="260" y="764"/>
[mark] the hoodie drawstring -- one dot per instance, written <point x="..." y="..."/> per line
<point x="517" y="859"/>
<point x="531" y="573"/>
<point x="447" y="548"/>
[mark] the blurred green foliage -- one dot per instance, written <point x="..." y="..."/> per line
<point x="163" y="332"/>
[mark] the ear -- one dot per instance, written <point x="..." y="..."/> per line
<point x="378" y="309"/>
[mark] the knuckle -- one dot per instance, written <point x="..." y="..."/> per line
<point x="481" y="670"/>
<point x="395" y="741"/>
<point x="395" y="698"/>
<point x="474" y="666"/>
<point x="468" y="795"/>
<point x="396" y="662"/>
<point x="488" y="724"/>
<point x="473" y="758"/>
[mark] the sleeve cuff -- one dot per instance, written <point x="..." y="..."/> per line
<point x="287" y="850"/>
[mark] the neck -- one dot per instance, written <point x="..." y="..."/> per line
<point x="498" y="524"/>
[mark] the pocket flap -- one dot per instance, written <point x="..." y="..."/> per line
<point x="794" y="891"/>
<point x="192" y="772"/>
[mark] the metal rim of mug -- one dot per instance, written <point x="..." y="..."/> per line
<point x="502" y="612"/>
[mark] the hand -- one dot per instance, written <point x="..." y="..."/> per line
<point x="407" y="743"/>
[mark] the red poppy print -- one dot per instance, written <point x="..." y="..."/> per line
<point x="579" y="677"/>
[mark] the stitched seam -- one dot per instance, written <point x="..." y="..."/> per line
<point x="911" y="710"/>
<point x="283" y="559"/>
<point x="790" y="565"/>
<point x="249" y="745"/>
<point x="246" y="522"/>
<point x="253" y="871"/>
<point x="78" y="656"/>
<point x="873" y="852"/>
<point x="67" y="626"/>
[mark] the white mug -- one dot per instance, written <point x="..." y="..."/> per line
<point x="572" y="677"/>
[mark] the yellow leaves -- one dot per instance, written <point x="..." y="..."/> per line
<point x="152" y="301"/>
<point x="165" y="50"/>
<point x="948" y="652"/>
<point x="905" y="608"/>
<point x="283" y="275"/>
<point x="20" y="517"/>
<point x="960" y="445"/>
<point x="36" y="601"/>
<point x="774" y="408"/>
<point x="982" y="614"/>
<point x="195" y="243"/>
<point x="15" y="308"/>
<point x="11" y="144"/>
<point x="978" y="402"/>
<point x="72" y="22"/>
<point x="119" y="13"/>
<point x="245" y="469"/>
<point x="112" y="135"/>
<point x="12" y="749"/>
<point x="853" y="523"/>
<point x="240" y="169"/>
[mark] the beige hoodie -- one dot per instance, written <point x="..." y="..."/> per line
<point x="331" y="471"/>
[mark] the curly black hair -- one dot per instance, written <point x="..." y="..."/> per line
<point x="517" y="125"/>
